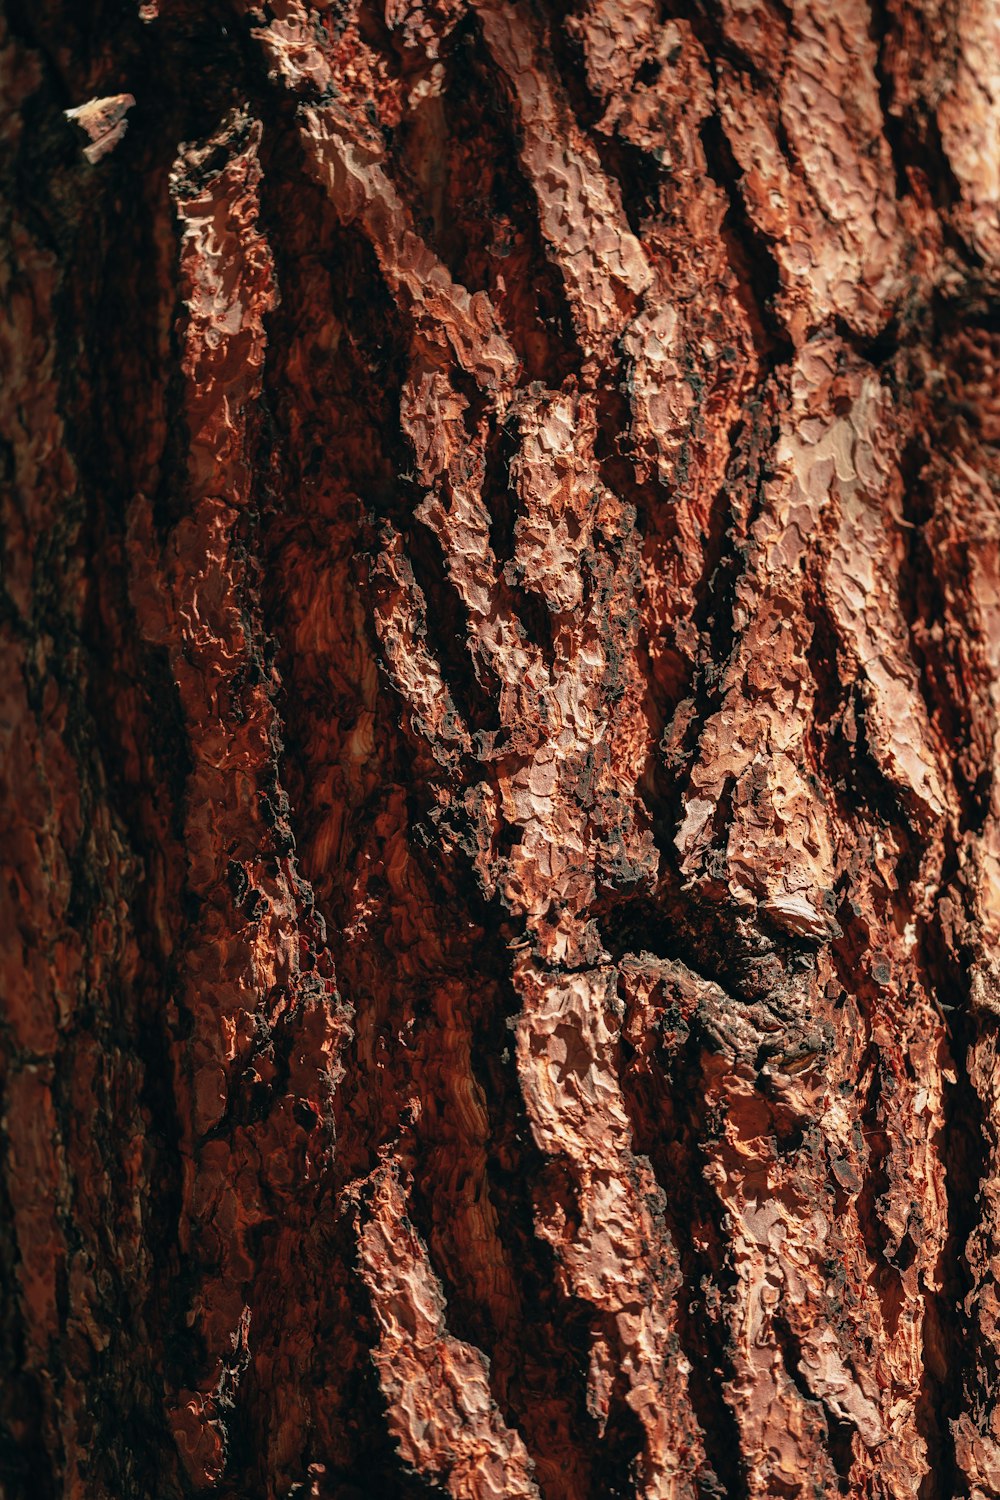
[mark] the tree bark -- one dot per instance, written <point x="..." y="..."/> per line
<point x="500" y="919"/>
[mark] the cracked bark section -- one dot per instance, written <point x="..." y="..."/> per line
<point x="499" y="805"/>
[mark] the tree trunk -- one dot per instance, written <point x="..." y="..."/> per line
<point x="500" y="928"/>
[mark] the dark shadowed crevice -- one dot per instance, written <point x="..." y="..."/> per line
<point x="539" y="1363"/>
<point x="755" y="270"/>
<point x="938" y="657"/>
<point x="698" y="692"/>
<point x="336" y="414"/>
<point x="632" y="173"/>
<point x="704" y="936"/>
<point x="636" y="174"/>
<point x="569" y="72"/>
<point x="449" y="634"/>
<point x="115" y="415"/>
<point x="671" y="1130"/>
<point x="912" y="131"/>
<point x="139" y="735"/>
<point x="458" y="165"/>
<point x="950" y="1342"/>
<point x="499" y="491"/>
<point x="876" y="1185"/>
<point x="376" y="1466"/>
<point x="27" y="1471"/>
<point x="886" y="37"/>
<point x="105" y="306"/>
<point x="360" y="393"/>
<point x="652" y="498"/>
<point x="839" y="1433"/>
<point x="840" y="746"/>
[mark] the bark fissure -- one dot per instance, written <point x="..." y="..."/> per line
<point x="499" y="707"/>
<point x="669" y="1128"/>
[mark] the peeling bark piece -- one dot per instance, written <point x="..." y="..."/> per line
<point x="798" y="915"/>
<point x="103" y="122"/>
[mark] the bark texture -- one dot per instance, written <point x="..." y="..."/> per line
<point x="500" y="919"/>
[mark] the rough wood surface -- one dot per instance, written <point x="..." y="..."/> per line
<point x="499" y="798"/>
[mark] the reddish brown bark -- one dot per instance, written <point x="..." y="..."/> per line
<point x="500" y="931"/>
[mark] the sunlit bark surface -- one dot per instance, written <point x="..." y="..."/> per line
<point x="500" y="917"/>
